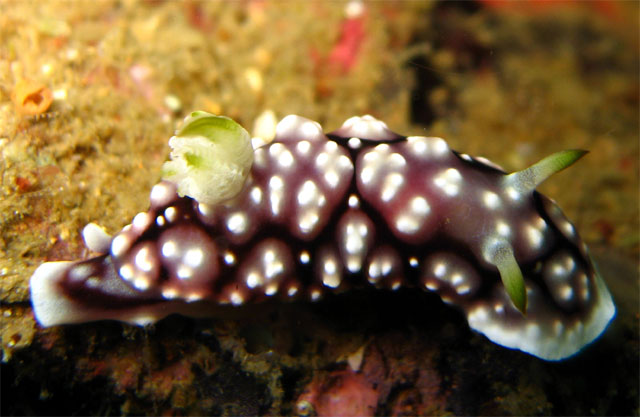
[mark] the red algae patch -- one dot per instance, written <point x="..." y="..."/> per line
<point x="341" y="393"/>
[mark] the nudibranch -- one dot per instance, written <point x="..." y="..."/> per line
<point x="311" y="213"/>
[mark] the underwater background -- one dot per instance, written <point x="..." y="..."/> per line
<point x="90" y="92"/>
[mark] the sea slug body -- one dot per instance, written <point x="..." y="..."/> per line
<point x="311" y="213"/>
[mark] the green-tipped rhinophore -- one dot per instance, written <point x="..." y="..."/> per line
<point x="528" y="179"/>
<point x="210" y="159"/>
<point x="511" y="276"/>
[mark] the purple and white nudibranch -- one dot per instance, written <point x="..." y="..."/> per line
<point x="311" y="213"/>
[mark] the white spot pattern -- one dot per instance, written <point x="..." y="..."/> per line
<point x="330" y="268"/>
<point x="191" y="263"/>
<point x="354" y="143"/>
<point x="390" y="186"/>
<point x="171" y="214"/>
<point x="141" y="221"/>
<point x="449" y="181"/>
<point x="162" y="193"/>
<point x="120" y="244"/>
<point x="276" y="194"/>
<point x="384" y="267"/>
<point x="365" y="126"/>
<point x="427" y="147"/>
<point x="491" y="200"/>
<point x="413" y="218"/>
<point x="229" y="258"/>
<point x="266" y="266"/>
<point x="237" y="223"/>
<point x="355" y="236"/>
<point x="446" y="271"/>
<point x="282" y="155"/>
<point x="354" y="201"/>
<point x="144" y="260"/>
